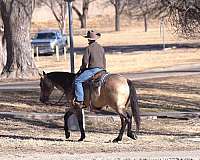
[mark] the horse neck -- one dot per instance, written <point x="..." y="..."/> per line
<point x="62" y="80"/>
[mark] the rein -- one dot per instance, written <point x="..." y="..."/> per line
<point x="67" y="104"/>
<point x="60" y="80"/>
<point x="59" y="99"/>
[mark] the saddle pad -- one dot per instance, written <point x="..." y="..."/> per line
<point x="99" y="81"/>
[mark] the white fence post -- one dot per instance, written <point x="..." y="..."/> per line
<point x="57" y="53"/>
<point x="37" y="53"/>
<point x="65" y="53"/>
<point x="32" y="52"/>
<point x="162" y="31"/>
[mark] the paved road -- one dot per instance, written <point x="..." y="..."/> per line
<point x="157" y="155"/>
<point x="143" y="47"/>
<point x="180" y="70"/>
<point x="24" y="85"/>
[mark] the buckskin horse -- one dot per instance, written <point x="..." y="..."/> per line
<point x="116" y="92"/>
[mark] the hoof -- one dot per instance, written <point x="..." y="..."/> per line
<point x="81" y="139"/>
<point x="67" y="135"/>
<point x="132" y="136"/>
<point x="116" y="140"/>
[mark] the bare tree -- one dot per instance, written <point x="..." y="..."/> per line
<point x="16" y="16"/>
<point x="119" y="6"/>
<point x="140" y="9"/>
<point x="184" y="16"/>
<point x="83" y="13"/>
<point x="58" y="8"/>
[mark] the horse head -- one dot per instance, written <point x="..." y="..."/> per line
<point x="46" y="87"/>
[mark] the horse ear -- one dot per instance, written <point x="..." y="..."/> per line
<point x="40" y="74"/>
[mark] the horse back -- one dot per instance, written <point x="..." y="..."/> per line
<point x="114" y="92"/>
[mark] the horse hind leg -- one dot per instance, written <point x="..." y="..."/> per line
<point x="129" y="131"/>
<point x="124" y="122"/>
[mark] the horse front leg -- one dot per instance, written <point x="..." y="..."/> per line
<point x="66" y="128"/>
<point x="79" y="115"/>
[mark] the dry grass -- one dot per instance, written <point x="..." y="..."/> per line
<point x="132" y="35"/>
<point x="129" y="62"/>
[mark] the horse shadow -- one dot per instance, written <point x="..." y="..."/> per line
<point x="151" y="101"/>
<point x="31" y="138"/>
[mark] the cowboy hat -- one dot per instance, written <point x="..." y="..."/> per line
<point x="92" y="35"/>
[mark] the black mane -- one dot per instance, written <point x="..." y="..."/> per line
<point x="64" y="79"/>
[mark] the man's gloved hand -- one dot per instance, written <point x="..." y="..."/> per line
<point x="81" y="70"/>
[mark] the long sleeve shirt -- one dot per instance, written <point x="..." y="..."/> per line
<point x="94" y="57"/>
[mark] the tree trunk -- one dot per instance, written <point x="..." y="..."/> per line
<point x="16" y="15"/>
<point x="85" y="13"/>
<point x="82" y="16"/>
<point x="145" y="22"/>
<point x="117" y="19"/>
<point x="64" y="29"/>
<point x="2" y="48"/>
<point x="83" y="21"/>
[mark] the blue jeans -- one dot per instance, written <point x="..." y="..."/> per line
<point x="79" y="93"/>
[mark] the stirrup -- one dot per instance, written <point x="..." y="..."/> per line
<point x="79" y="104"/>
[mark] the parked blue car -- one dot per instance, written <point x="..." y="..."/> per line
<point x="47" y="40"/>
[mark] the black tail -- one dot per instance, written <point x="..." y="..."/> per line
<point x="134" y="105"/>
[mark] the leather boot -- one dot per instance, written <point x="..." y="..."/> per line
<point x="78" y="104"/>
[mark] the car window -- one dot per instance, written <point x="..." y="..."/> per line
<point x="46" y="36"/>
<point x="59" y="35"/>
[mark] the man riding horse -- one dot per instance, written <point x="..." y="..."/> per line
<point x="117" y="91"/>
<point x="93" y="61"/>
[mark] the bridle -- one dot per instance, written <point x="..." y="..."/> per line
<point x="58" y="100"/>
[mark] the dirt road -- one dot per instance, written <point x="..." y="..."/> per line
<point x="159" y="138"/>
<point x="167" y="155"/>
